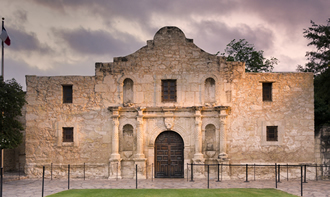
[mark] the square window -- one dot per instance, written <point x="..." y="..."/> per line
<point x="267" y="91"/>
<point x="67" y="134"/>
<point x="169" y="90"/>
<point x="272" y="133"/>
<point x="67" y="93"/>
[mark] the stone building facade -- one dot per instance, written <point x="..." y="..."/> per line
<point x="168" y="104"/>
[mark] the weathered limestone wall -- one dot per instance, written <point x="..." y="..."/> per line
<point x="169" y="56"/>
<point x="218" y="112"/>
<point x="47" y="114"/>
<point x="291" y="109"/>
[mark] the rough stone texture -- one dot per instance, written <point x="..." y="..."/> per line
<point x="211" y="93"/>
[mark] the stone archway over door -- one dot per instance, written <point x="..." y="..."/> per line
<point x="169" y="155"/>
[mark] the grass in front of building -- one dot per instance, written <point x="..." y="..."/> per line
<point x="241" y="192"/>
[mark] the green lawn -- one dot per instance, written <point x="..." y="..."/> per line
<point x="172" y="192"/>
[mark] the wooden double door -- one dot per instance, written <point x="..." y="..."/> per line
<point x="169" y="155"/>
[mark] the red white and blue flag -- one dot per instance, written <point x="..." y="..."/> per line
<point x="4" y="36"/>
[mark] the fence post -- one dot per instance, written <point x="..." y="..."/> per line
<point x="43" y="181"/>
<point x="136" y="178"/>
<point x="316" y="172"/>
<point x="208" y="176"/>
<point x="51" y="171"/>
<point x="279" y="173"/>
<point x="109" y="164"/>
<point x="192" y="173"/>
<point x="84" y="171"/>
<point x="322" y="171"/>
<point x="221" y="171"/>
<point x="218" y="173"/>
<point x="68" y="176"/>
<point x="275" y="175"/>
<point x="247" y="174"/>
<point x="19" y="171"/>
<point x="1" y="181"/>
<point x="152" y="172"/>
<point x="305" y="173"/>
<point x="254" y="171"/>
<point x="301" y="180"/>
<point x="117" y="172"/>
<point x="187" y="172"/>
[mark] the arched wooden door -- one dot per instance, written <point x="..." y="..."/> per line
<point x="169" y="155"/>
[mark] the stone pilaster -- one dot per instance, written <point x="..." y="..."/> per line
<point x="198" y="135"/>
<point x="198" y="156"/>
<point x="115" y="160"/>
<point x="139" y="135"/>
<point x="140" y="159"/>
<point x="223" y="142"/>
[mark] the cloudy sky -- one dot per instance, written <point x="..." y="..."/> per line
<point x="67" y="37"/>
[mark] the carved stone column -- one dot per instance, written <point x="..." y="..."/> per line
<point x="223" y="142"/>
<point x="139" y="138"/>
<point x="115" y="160"/>
<point x="198" y="156"/>
<point x="198" y="135"/>
<point x="140" y="159"/>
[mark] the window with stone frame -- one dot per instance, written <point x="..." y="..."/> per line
<point x="169" y="90"/>
<point x="128" y="90"/>
<point x="128" y="137"/>
<point x="209" y="96"/>
<point x="67" y="93"/>
<point x="267" y="91"/>
<point x="67" y="134"/>
<point x="272" y="133"/>
<point x="210" y="137"/>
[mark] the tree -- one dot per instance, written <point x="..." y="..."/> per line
<point x="319" y="64"/>
<point x="254" y="60"/>
<point x="322" y="99"/>
<point x="12" y="99"/>
<point x="319" y="60"/>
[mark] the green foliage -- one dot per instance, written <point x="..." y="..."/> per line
<point x="12" y="99"/>
<point x="319" y="60"/>
<point x="254" y="60"/>
<point x="322" y="99"/>
<point x="319" y="64"/>
<point x="243" y="192"/>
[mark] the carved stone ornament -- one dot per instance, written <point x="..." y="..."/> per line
<point x="169" y="123"/>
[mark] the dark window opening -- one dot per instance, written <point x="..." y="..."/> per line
<point x="169" y="90"/>
<point x="267" y="91"/>
<point x="67" y="134"/>
<point x="272" y="133"/>
<point x="67" y="93"/>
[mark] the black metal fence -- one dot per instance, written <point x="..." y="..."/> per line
<point x="208" y="172"/>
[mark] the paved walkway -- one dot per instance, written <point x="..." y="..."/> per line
<point x="33" y="187"/>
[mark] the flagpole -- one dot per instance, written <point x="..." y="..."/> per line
<point x="3" y="79"/>
<point x="2" y="60"/>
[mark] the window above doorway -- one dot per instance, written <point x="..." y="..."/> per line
<point x="169" y="90"/>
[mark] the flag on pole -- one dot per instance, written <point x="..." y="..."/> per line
<point x="4" y="36"/>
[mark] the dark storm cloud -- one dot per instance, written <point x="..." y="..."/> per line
<point x="26" y="42"/>
<point x="97" y="42"/>
<point x="216" y="35"/>
<point x="142" y="12"/>
<point x="293" y="15"/>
